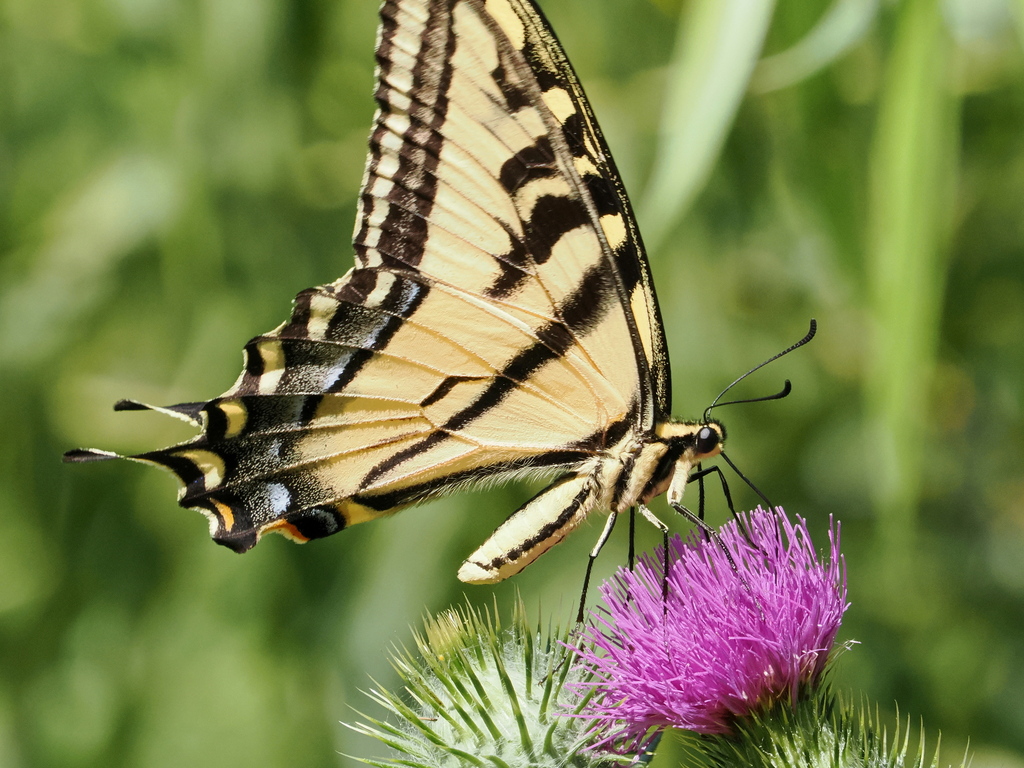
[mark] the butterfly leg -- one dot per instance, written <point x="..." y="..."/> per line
<point x="712" y="534"/>
<point x="532" y="530"/>
<point x="745" y="479"/>
<point x="632" y="537"/>
<point x="664" y="535"/>
<point x="709" y="532"/>
<point x="699" y="476"/>
<point x="608" y="526"/>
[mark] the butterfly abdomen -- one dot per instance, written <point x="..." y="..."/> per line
<point x="635" y="470"/>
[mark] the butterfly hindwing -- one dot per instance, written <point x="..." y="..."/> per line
<point x="500" y="316"/>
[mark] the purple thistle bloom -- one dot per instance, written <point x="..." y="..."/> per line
<point x="727" y="642"/>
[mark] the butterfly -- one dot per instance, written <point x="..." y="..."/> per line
<point x="500" y="319"/>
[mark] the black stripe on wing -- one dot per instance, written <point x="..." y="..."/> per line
<point x="583" y="135"/>
<point x="403" y="232"/>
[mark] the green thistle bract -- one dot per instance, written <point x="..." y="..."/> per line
<point x="825" y="731"/>
<point x="479" y="695"/>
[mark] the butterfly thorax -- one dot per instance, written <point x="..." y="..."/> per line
<point x="642" y="467"/>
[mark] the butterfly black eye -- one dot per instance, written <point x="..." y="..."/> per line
<point x="707" y="440"/>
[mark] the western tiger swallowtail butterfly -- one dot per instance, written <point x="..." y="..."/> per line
<point x="500" y="318"/>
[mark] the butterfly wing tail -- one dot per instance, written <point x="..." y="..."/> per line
<point x="241" y="504"/>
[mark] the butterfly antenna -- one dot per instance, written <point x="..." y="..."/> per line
<point x="778" y="395"/>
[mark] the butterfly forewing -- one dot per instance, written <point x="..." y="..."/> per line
<point x="500" y="316"/>
<point x="604" y="191"/>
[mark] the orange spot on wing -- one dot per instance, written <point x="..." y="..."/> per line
<point x="286" y="529"/>
<point x="226" y="515"/>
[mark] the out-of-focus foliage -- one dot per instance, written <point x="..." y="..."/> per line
<point x="172" y="173"/>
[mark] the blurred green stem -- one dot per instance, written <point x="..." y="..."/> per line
<point x="912" y="174"/>
<point x="842" y="26"/>
<point x="1019" y="8"/>
<point x="718" y="45"/>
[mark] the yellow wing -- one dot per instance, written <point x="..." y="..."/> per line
<point x="500" y="316"/>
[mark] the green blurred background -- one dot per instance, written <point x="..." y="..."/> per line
<point x="172" y="173"/>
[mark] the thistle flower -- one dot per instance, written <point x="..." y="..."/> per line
<point x="481" y="696"/>
<point x="733" y="637"/>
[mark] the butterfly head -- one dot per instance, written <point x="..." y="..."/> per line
<point x="708" y="440"/>
<point x="684" y="445"/>
<point x="691" y="442"/>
